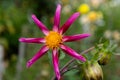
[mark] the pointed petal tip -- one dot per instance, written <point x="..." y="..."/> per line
<point x="29" y="63"/>
<point x="57" y="18"/>
<point x="72" y="53"/>
<point x="33" y="16"/>
<point x="69" y="22"/>
<point x="77" y="13"/>
<point x="59" y="5"/>
<point x="21" y="39"/>
<point x="87" y="34"/>
<point x="81" y="58"/>
<point x="42" y="27"/>
<point x="84" y="59"/>
<point x="58" y="8"/>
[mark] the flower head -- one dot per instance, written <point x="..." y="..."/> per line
<point x="93" y="16"/>
<point x="55" y="39"/>
<point x="92" y="71"/>
<point x="83" y="8"/>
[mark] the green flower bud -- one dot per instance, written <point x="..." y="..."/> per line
<point x="92" y="71"/>
<point x="104" y="58"/>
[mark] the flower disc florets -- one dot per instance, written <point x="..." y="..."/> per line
<point x="53" y="39"/>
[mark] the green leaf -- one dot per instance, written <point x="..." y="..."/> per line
<point x="50" y="57"/>
<point x="96" y="57"/>
<point x="62" y="55"/>
<point x="106" y="43"/>
<point x="112" y="46"/>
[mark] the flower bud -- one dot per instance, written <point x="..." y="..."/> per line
<point x="92" y="71"/>
<point x="104" y="58"/>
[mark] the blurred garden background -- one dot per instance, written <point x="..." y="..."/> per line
<point x="100" y="18"/>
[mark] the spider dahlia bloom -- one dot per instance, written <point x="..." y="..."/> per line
<point x="54" y="40"/>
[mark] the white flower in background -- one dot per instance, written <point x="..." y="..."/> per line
<point x="108" y="34"/>
<point x="114" y="3"/>
<point x="84" y="19"/>
<point x="92" y="17"/>
<point x="100" y="22"/>
<point x="66" y="9"/>
<point x="96" y="17"/>
<point x="116" y="35"/>
<point x="96" y="3"/>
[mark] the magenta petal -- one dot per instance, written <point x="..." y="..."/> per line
<point x="32" y="40"/>
<point x="75" y="37"/>
<point x="56" y="63"/>
<point x="72" y="53"/>
<point x="40" y="53"/>
<point x="68" y="23"/>
<point x="42" y="27"/>
<point x="57" y="18"/>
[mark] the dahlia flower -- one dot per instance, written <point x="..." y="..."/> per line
<point x="54" y="39"/>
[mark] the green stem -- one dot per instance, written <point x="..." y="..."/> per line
<point x="65" y="68"/>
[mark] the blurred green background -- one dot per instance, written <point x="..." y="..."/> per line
<point x="101" y="18"/>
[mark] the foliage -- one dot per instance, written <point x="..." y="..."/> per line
<point x="102" y="21"/>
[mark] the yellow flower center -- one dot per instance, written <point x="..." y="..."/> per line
<point x="53" y="39"/>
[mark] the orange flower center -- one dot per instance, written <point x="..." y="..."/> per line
<point x="53" y="39"/>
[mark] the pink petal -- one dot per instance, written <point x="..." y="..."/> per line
<point x="57" y="18"/>
<point x="32" y="40"/>
<point x="75" y="37"/>
<point x="39" y="54"/>
<point x="42" y="27"/>
<point x="68" y="23"/>
<point x="72" y="53"/>
<point x="56" y="63"/>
